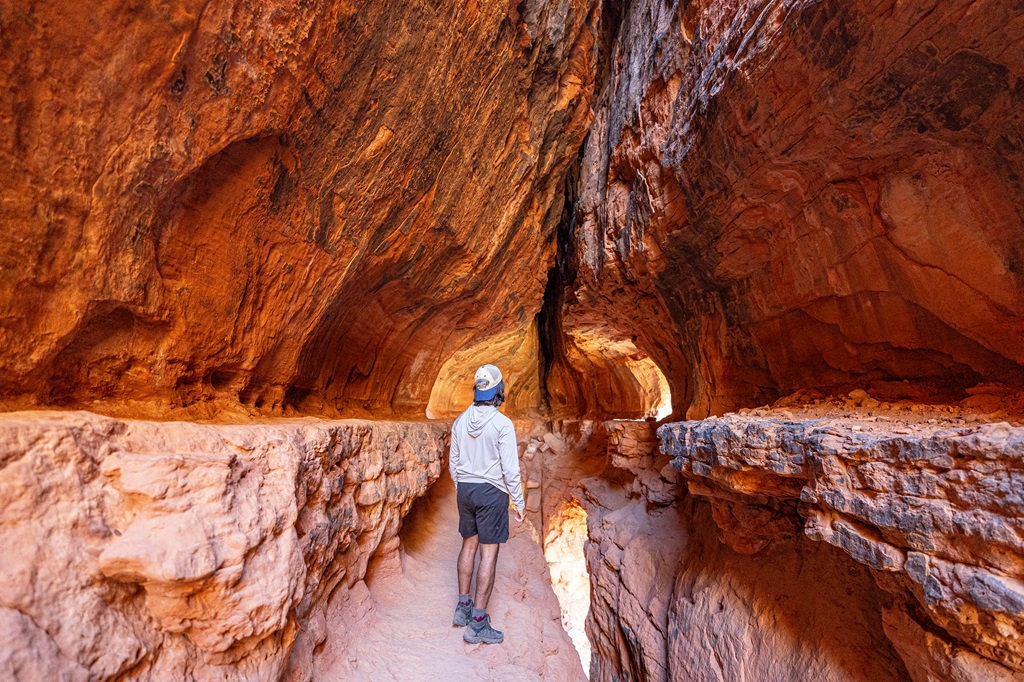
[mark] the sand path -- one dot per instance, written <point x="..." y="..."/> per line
<point x="398" y="625"/>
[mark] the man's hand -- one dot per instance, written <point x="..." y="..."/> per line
<point x="519" y="516"/>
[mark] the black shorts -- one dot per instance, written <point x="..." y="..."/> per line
<point x="483" y="510"/>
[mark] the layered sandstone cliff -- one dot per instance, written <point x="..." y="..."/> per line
<point x="816" y="196"/>
<point x="672" y="602"/>
<point x="782" y="195"/>
<point x="286" y="204"/>
<point x="160" y="551"/>
<point x="933" y="510"/>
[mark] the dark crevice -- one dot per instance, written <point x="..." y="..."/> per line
<point x="561" y="281"/>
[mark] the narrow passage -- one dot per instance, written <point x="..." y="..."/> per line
<point x="398" y="627"/>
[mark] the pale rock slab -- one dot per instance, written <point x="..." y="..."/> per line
<point x="936" y="512"/>
<point x="156" y="550"/>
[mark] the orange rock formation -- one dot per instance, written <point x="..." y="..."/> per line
<point x="284" y="205"/>
<point x="786" y="195"/>
<point x="233" y="212"/>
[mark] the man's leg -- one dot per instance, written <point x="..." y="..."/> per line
<point x="480" y="628"/>
<point x="492" y="521"/>
<point x="484" y="575"/>
<point x="467" y="557"/>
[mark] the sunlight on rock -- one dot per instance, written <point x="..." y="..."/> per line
<point x="563" y="549"/>
<point x="653" y="380"/>
<point x="515" y="353"/>
<point x="632" y="385"/>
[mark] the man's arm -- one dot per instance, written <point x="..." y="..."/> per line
<point x="508" y="454"/>
<point x="453" y="456"/>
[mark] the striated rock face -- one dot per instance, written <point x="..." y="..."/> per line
<point x="635" y="539"/>
<point x="780" y="195"/>
<point x="287" y="204"/>
<point x="935" y="512"/>
<point x="797" y="611"/>
<point x="336" y="208"/>
<point x="632" y="559"/>
<point x="671" y="602"/>
<point x="171" y="550"/>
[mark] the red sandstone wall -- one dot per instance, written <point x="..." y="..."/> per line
<point x="287" y="203"/>
<point x="777" y="195"/>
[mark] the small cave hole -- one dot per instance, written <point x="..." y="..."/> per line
<point x="222" y="379"/>
<point x="294" y="396"/>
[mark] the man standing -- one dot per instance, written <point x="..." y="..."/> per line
<point x="484" y="463"/>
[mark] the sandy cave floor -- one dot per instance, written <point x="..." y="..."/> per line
<point x="397" y="626"/>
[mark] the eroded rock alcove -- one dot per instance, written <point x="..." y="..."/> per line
<point x="753" y="271"/>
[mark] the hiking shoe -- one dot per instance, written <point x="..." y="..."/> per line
<point x="462" y="614"/>
<point x="481" y="631"/>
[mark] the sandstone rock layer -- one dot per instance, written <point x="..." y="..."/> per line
<point x="935" y="512"/>
<point x="635" y="206"/>
<point x="158" y="551"/>
<point x="671" y="602"/>
<point x="305" y="205"/>
<point x="782" y="195"/>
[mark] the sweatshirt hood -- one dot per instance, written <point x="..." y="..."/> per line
<point x="479" y="416"/>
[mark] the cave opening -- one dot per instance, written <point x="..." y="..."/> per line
<point x="603" y="374"/>
<point x="515" y="352"/>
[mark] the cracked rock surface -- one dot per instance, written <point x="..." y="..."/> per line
<point x="936" y="513"/>
<point x="787" y="194"/>
<point x="168" y="550"/>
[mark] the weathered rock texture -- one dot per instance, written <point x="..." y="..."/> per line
<point x="305" y="204"/>
<point x="671" y="602"/>
<point x="632" y="558"/>
<point x="783" y="194"/>
<point x="936" y="513"/>
<point x="160" y="551"/>
<point x="797" y="611"/>
<point x="341" y="208"/>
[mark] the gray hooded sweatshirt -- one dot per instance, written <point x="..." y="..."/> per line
<point x="484" y="450"/>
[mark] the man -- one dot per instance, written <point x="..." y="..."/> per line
<point x="484" y="463"/>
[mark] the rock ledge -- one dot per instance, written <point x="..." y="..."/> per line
<point x="937" y="513"/>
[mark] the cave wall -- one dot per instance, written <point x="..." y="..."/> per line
<point x="824" y="195"/>
<point x="518" y="357"/>
<point x="329" y="208"/>
<point x="168" y="551"/>
<point x="305" y="205"/>
<point x="776" y="195"/>
<point x="797" y="611"/>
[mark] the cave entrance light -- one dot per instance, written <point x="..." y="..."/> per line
<point x="515" y="352"/>
<point x="640" y="388"/>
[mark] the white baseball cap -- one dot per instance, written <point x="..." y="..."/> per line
<point x="486" y="382"/>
